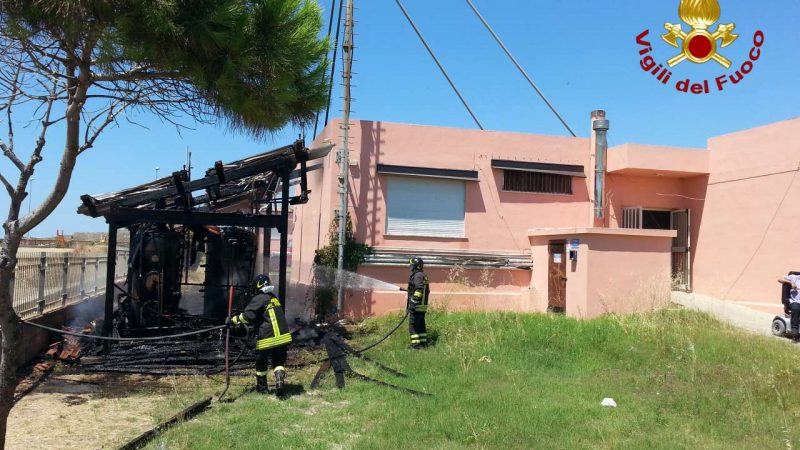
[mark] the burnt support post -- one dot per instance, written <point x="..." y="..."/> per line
<point x="111" y="262"/>
<point x="284" y="235"/>
<point x="266" y="250"/>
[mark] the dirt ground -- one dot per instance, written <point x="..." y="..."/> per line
<point x="91" y="411"/>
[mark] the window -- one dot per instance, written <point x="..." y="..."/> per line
<point x="419" y="206"/>
<point x="546" y="183"/>
<point x="632" y="217"/>
<point x="648" y="219"/>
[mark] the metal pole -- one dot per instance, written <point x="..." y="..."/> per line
<point x="65" y="281"/>
<point x="344" y="153"/>
<point x="600" y="127"/>
<point x="83" y="278"/>
<point x="519" y="67"/>
<point x="30" y="196"/>
<point x="110" y="264"/>
<point x="42" y="277"/>
<point x="284" y="236"/>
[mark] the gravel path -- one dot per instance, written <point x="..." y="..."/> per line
<point x="754" y="321"/>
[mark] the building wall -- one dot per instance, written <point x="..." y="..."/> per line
<point x="748" y="234"/>
<point x="617" y="271"/>
<point x="646" y="191"/>
<point x="451" y="290"/>
<point x="743" y="223"/>
<point x="495" y="221"/>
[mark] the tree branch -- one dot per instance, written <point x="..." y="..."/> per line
<point x="12" y="156"/>
<point x="9" y="188"/>
<point x="110" y="117"/>
<point x="135" y="74"/>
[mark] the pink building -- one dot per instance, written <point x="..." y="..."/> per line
<point x="509" y="221"/>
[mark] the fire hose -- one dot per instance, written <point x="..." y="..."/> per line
<point x="359" y="351"/>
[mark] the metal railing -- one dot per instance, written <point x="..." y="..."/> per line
<point x="45" y="281"/>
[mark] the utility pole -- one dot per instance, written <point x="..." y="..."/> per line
<point x="30" y="193"/>
<point x="344" y="154"/>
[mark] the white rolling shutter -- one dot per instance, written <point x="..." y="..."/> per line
<point x="419" y="206"/>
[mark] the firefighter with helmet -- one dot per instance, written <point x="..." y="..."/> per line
<point x="417" y="303"/>
<point x="265" y="314"/>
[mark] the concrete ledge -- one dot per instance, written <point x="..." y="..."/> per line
<point x="533" y="232"/>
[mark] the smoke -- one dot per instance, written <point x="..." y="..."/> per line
<point x="85" y="311"/>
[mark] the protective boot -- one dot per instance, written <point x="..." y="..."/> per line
<point x="280" y="375"/>
<point x="261" y="384"/>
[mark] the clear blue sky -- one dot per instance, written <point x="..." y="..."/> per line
<point x="582" y="53"/>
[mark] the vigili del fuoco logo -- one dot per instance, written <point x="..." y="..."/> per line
<point x="699" y="45"/>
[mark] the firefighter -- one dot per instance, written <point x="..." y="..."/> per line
<point x="265" y="314"/>
<point x="417" y="303"/>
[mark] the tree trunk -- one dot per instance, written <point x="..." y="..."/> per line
<point x="11" y="331"/>
<point x="10" y="324"/>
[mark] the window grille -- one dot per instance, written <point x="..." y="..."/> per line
<point x="545" y="183"/>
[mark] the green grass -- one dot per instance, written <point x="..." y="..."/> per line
<point x="507" y="381"/>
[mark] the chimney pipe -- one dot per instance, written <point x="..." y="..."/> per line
<point x="600" y="127"/>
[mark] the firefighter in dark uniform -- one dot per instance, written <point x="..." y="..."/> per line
<point x="265" y="314"/>
<point x="417" y="304"/>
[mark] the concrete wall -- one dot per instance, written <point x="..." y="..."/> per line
<point x="748" y="234"/>
<point x="451" y="290"/>
<point x="617" y="271"/>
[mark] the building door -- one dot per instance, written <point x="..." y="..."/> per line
<point x="557" y="277"/>
<point x="681" y="250"/>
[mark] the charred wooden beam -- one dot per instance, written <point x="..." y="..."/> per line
<point x="220" y="171"/>
<point x="283" y="159"/>
<point x="129" y="216"/>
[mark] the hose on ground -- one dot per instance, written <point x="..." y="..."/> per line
<point x="359" y="351"/>
<point x="121" y="339"/>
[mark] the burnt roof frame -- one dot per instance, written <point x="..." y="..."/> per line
<point x="281" y="160"/>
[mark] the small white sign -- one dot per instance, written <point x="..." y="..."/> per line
<point x="557" y="258"/>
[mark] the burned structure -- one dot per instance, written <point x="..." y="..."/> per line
<point x="174" y="220"/>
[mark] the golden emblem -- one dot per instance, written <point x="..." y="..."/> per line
<point x="699" y="45"/>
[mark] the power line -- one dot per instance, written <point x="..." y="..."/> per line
<point x="452" y="85"/>
<point x="522" y="71"/>
<point x="333" y="64"/>
<point x="330" y="27"/>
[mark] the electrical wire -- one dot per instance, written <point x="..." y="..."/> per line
<point x="330" y="27"/>
<point x="521" y="70"/>
<point x="764" y="236"/>
<point x="436" y="60"/>
<point x="681" y="196"/>
<point x="333" y="64"/>
<point x="121" y="339"/>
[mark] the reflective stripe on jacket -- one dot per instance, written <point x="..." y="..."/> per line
<point x="418" y="292"/>
<point x="266" y="314"/>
